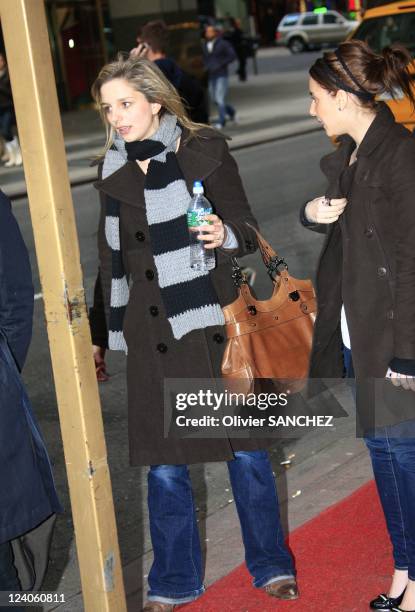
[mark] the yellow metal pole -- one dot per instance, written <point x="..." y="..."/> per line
<point x="40" y="131"/>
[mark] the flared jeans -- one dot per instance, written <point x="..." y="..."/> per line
<point x="176" y="575"/>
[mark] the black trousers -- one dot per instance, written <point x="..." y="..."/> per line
<point x="8" y="574"/>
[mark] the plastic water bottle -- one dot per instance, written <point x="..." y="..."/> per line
<point x="200" y="258"/>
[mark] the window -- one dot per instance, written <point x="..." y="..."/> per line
<point x="330" y="18"/>
<point x="310" y="20"/>
<point x="379" y="32"/>
<point x="290" y="20"/>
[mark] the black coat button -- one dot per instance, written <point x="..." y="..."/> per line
<point x="154" y="311"/>
<point x="149" y="274"/>
<point x="140" y="236"/>
<point x="382" y="272"/>
<point x="162" y="348"/>
<point x="369" y="232"/>
<point x="218" y="338"/>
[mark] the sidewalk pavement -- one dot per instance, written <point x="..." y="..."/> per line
<point x="269" y="107"/>
<point x="310" y="477"/>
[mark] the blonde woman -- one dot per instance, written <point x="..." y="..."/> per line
<point x="170" y="318"/>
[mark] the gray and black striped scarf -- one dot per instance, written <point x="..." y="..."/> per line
<point x="188" y="295"/>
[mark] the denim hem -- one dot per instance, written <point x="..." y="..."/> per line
<point x="401" y="568"/>
<point x="278" y="579"/>
<point x="269" y="578"/>
<point x="175" y="598"/>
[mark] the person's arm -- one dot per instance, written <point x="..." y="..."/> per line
<point x="16" y="288"/>
<point x="229" y="53"/>
<point x="97" y="318"/>
<point x="226" y="55"/>
<point x="98" y="313"/>
<point x="402" y="189"/>
<point x="225" y="190"/>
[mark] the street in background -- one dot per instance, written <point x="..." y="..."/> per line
<point x="303" y="31"/>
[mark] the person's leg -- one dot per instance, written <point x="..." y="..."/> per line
<point x="403" y="452"/>
<point x="220" y="97"/>
<point x="176" y="573"/>
<point x="6" y="121"/>
<point x="242" y="67"/>
<point x="255" y="493"/>
<point x="227" y="109"/>
<point x="389" y="485"/>
<point x="8" y="574"/>
<point x="212" y="94"/>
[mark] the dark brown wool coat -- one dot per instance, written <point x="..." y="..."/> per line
<point x="368" y="258"/>
<point x="153" y="353"/>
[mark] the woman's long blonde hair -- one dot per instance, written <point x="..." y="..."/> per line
<point x="144" y="76"/>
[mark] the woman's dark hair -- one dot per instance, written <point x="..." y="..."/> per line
<point x="355" y="68"/>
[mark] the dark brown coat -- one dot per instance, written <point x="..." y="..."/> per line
<point x="367" y="261"/>
<point x="153" y="353"/>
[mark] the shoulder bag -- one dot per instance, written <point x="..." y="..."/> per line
<point x="269" y="338"/>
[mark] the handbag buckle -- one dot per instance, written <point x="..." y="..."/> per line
<point x="274" y="264"/>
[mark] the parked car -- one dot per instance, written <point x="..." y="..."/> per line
<point x="302" y="31"/>
<point x="383" y="26"/>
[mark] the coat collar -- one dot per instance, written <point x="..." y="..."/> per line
<point x="377" y="132"/>
<point x="333" y="163"/>
<point x="128" y="181"/>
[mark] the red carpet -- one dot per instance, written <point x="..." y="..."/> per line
<point x="343" y="559"/>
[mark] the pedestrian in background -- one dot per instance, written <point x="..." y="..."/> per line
<point x="171" y="320"/>
<point x="366" y="275"/>
<point x="152" y="43"/>
<point x="12" y="155"/>
<point x="27" y="492"/>
<point x="218" y="54"/>
<point x="236" y="37"/>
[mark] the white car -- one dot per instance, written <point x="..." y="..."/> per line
<point x="302" y="31"/>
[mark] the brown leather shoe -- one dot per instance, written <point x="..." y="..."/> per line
<point x="157" y="606"/>
<point x="283" y="589"/>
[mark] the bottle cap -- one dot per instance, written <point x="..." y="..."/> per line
<point x="198" y="187"/>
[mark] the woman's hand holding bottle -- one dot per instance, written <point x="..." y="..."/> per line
<point x="213" y="234"/>
<point x="325" y="210"/>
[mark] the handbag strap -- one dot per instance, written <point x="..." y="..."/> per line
<point x="269" y="256"/>
<point x="272" y="262"/>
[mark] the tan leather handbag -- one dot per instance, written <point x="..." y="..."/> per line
<point x="269" y="338"/>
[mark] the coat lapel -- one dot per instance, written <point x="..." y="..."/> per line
<point x="125" y="185"/>
<point x="194" y="163"/>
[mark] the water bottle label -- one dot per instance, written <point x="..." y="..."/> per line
<point x="195" y="217"/>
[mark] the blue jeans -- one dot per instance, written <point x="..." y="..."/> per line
<point x="176" y="575"/>
<point x="392" y="452"/>
<point x="218" y="89"/>
<point x="8" y="574"/>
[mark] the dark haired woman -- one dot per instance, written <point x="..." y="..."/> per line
<point x="366" y="276"/>
<point x="173" y="322"/>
